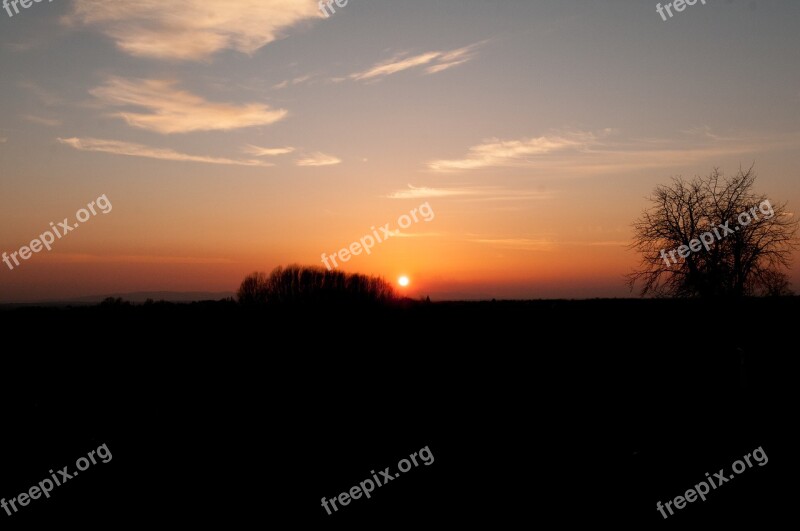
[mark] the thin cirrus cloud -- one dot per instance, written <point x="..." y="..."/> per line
<point x="79" y="258"/>
<point x="178" y="111"/>
<point x="543" y="244"/>
<point x="48" y="98"/>
<point x="318" y="159"/>
<point x="472" y="193"/>
<point x="259" y="151"/>
<point x="586" y="153"/>
<point x="517" y="244"/>
<point x="424" y="192"/>
<point x="116" y="147"/>
<point x="495" y="153"/>
<point x="295" y="81"/>
<point x="402" y="234"/>
<point x="49" y="122"/>
<point x="450" y="59"/>
<point x="691" y="147"/>
<point x="191" y="30"/>
<point x="437" y="61"/>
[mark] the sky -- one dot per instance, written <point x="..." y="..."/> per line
<point x="229" y="137"/>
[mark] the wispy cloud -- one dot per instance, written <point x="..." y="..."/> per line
<point x="21" y="46"/>
<point x="258" y="151"/>
<point x="496" y="153"/>
<point x="453" y="58"/>
<point x="543" y="244"/>
<point x="586" y="153"/>
<point x="178" y="111"/>
<point x="294" y="81"/>
<point x="418" y="234"/>
<point x="45" y="96"/>
<point x="81" y="258"/>
<point x="426" y="193"/>
<point x="318" y="159"/>
<point x="518" y="244"/>
<point x="395" y="65"/>
<point x="441" y="61"/>
<point x="607" y="243"/>
<point x="704" y="132"/>
<point x="435" y="69"/>
<point x="191" y="29"/>
<point x="49" y="122"/>
<point x="471" y="193"/>
<point x="689" y="148"/>
<point x="129" y="149"/>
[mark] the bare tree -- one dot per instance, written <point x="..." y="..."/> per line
<point x="253" y="290"/>
<point x="773" y="284"/>
<point x="713" y="237"/>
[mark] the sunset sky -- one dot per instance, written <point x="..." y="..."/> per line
<point x="241" y="135"/>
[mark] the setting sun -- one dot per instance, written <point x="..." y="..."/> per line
<point x="403" y="281"/>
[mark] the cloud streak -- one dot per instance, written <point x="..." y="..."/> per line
<point x="172" y="110"/>
<point x="129" y="149"/>
<point x="45" y="96"/>
<point x="258" y="151"/>
<point x="191" y="30"/>
<point x="496" y="153"/>
<point x="476" y="193"/>
<point x="318" y="159"/>
<point x="426" y="193"/>
<point x="49" y="122"/>
<point x="438" y="61"/>
<point x="295" y="81"/>
<point x="517" y="244"/>
<point x="586" y="153"/>
<point x="82" y="258"/>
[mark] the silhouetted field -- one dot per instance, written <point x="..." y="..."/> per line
<point x="582" y="411"/>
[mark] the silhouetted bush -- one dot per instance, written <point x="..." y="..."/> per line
<point x="298" y="285"/>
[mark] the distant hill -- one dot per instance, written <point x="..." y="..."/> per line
<point x="136" y="297"/>
<point x="169" y="296"/>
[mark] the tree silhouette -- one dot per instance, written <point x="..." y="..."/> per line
<point x="298" y="285"/>
<point x="253" y="289"/>
<point x="713" y="237"/>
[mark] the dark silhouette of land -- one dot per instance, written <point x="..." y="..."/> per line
<point x="582" y="411"/>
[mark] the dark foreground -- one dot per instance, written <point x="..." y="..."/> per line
<point x="572" y="412"/>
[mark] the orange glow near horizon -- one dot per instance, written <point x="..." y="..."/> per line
<point x="251" y="141"/>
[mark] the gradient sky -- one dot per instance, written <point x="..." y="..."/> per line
<point x="242" y="135"/>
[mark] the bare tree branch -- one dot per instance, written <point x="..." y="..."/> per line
<point x="746" y="258"/>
